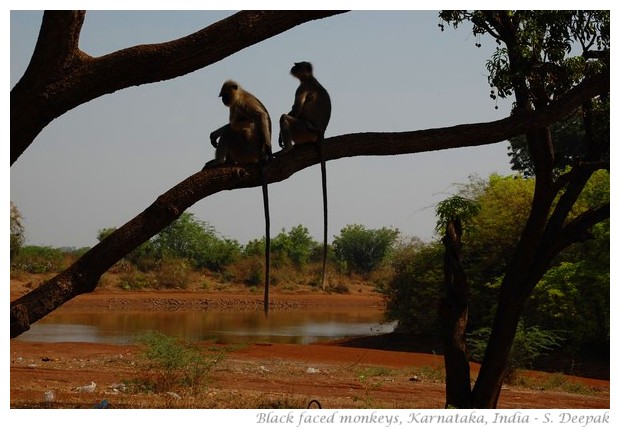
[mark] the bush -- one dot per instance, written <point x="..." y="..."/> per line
<point x="136" y="280"/>
<point x="363" y="249"/>
<point x="38" y="260"/>
<point x="168" y="363"/>
<point x="197" y="241"/>
<point x="529" y="344"/>
<point x="17" y="231"/>
<point x="415" y="287"/>
<point x="297" y="246"/>
<point x="173" y="273"/>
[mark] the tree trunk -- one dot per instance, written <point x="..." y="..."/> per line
<point x="453" y="311"/>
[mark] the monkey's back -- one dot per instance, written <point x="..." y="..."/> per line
<point x="245" y="120"/>
<point x="317" y="108"/>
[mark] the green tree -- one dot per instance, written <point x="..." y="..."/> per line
<point x="534" y="62"/>
<point x="569" y="140"/>
<point x="17" y="231"/>
<point x="297" y="245"/>
<point x="363" y="249"/>
<point x="197" y="241"/>
<point x="414" y="288"/>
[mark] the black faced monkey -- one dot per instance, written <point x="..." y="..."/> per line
<point x="306" y="123"/>
<point x="245" y="139"/>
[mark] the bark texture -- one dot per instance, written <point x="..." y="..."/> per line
<point x="453" y="312"/>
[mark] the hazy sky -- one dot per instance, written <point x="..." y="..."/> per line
<point x="104" y="162"/>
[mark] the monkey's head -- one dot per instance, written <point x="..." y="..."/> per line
<point x="229" y="92"/>
<point x="302" y="70"/>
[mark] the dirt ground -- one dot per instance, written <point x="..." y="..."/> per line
<point x="258" y="375"/>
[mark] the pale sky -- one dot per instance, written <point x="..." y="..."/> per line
<point x="104" y="162"/>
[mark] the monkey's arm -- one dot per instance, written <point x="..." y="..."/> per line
<point x="216" y="135"/>
<point x="300" y="100"/>
<point x="261" y="118"/>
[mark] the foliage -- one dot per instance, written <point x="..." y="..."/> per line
<point x="192" y="239"/>
<point x="39" y="260"/>
<point x="572" y="297"/>
<point x="415" y="287"/>
<point x="541" y="50"/>
<point x="104" y="233"/>
<point x="136" y="280"/>
<point x="569" y="140"/>
<point x="363" y="249"/>
<point x="170" y="363"/>
<point x="455" y="207"/>
<point x="186" y="238"/>
<point x="17" y="231"/>
<point x="173" y="273"/>
<point x="529" y="344"/>
<point x="297" y="245"/>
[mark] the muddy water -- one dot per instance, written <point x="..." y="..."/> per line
<point x="229" y="326"/>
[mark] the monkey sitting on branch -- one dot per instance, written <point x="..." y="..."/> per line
<point x="245" y="139"/>
<point x="306" y="123"/>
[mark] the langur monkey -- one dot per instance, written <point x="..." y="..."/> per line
<point x="245" y="139"/>
<point x="306" y="123"/>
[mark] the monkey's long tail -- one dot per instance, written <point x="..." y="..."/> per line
<point x="324" y="183"/>
<point x="267" y="237"/>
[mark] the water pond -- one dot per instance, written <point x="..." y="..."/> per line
<point x="228" y="326"/>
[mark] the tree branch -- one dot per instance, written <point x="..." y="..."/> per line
<point x="44" y="94"/>
<point x="575" y="231"/>
<point x="84" y="274"/>
<point x="155" y="62"/>
<point x="57" y="44"/>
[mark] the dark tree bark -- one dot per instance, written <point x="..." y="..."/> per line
<point x="60" y="76"/>
<point x="546" y="232"/>
<point x="453" y="312"/>
<point x="83" y="276"/>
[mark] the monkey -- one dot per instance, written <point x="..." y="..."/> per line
<point x="246" y="139"/>
<point x="306" y="123"/>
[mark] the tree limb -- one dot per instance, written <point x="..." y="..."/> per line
<point x="52" y="85"/>
<point x="84" y="274"/>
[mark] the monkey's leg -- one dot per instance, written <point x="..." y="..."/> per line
<point x="285" y="132"/>
<point x="227" y="138"/>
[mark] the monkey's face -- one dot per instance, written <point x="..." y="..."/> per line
<point x="229" y="92"/>
<point x="226" y="98"/>
<point x="302" y="70"/>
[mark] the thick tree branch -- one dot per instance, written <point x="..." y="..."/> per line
<point x="83" y="276"/>
<point x="44" y="94"/>
<point x="155" y="62"/>
<point x="57" y="44"/>
<point x="575" y="231"/>
<point x="578" y="168"/>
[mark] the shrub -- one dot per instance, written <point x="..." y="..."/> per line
<point x="413" y="291"/>
<point x="363" y="249"/>
<point x="173" y="273"/>
<point x="296" y="245"/>
<point x="39" y="260"/>
<point x="529" y="344"/>
<point x="168" y="363"/>
<point x="136" y="280"/>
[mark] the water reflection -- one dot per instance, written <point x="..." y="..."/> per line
<point x="296" y="327"/>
